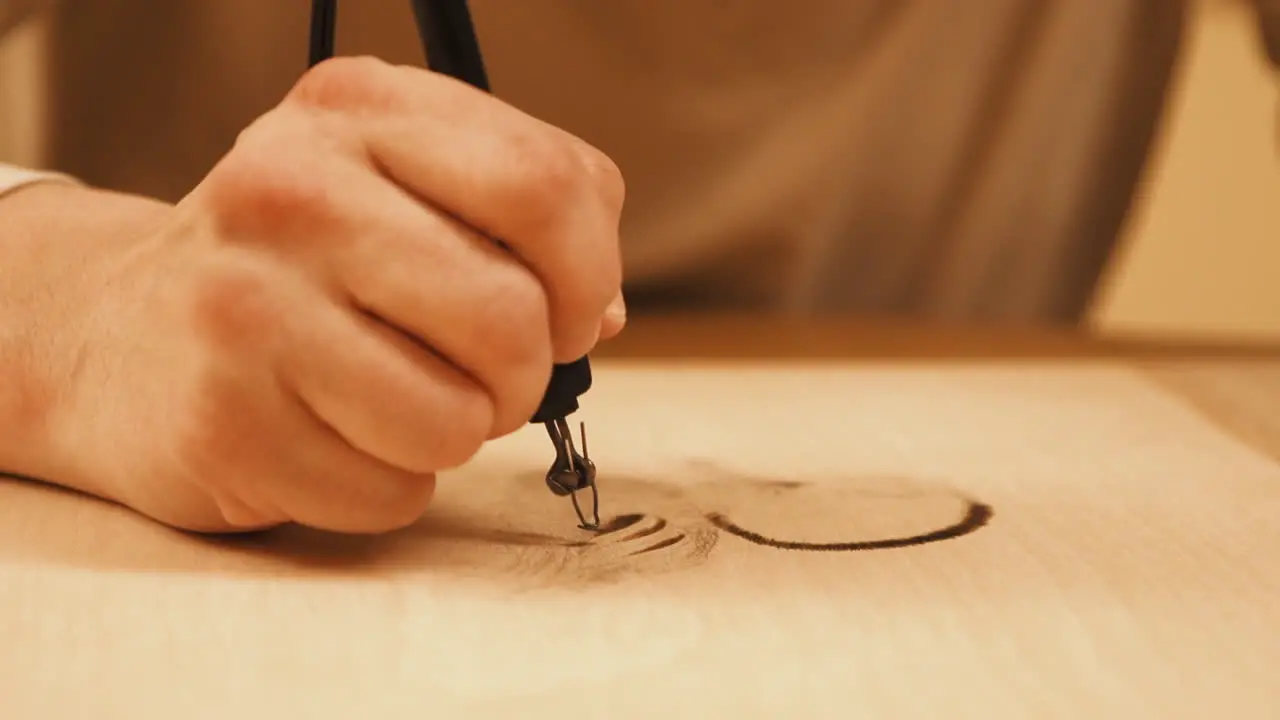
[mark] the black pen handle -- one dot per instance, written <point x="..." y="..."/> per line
<point x="324" y="20"/>
<point x="449" y="41"/>
<point x="452" y="48"/>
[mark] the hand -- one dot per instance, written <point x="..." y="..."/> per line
<point x="326" y="321"/>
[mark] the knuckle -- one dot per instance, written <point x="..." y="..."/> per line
<point x="345" y="83"/>
<point x="232" y="307"/>
<point x="549" y="178"/>
<point x="607" y="176"/>
<point x="258" y="191"/>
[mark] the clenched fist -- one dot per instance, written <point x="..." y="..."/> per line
<point x="374" y="281"/>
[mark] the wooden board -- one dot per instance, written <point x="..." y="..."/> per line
<point x="1086" y="543"/>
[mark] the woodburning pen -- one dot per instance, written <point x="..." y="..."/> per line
<point x="452" y="48"/>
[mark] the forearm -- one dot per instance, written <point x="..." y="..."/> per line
<point x="51" y="236"/>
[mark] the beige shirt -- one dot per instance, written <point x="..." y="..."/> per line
<point x="966" y="160"/>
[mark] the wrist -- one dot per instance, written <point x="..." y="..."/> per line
<point x="55" y="238"/>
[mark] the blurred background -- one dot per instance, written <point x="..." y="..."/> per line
<point x="1198" y="255"/>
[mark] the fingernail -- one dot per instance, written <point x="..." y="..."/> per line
<point x="617" y="310"/>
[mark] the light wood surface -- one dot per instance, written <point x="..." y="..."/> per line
<point x="1097" y="535"/>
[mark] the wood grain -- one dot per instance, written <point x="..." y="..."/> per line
<point x="1130" y="565"/>
<point x="1242" y="396"/>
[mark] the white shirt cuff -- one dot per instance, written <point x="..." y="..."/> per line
<point x="13" y="178"/>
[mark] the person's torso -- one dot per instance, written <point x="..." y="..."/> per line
<point x="903" y="156"/>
